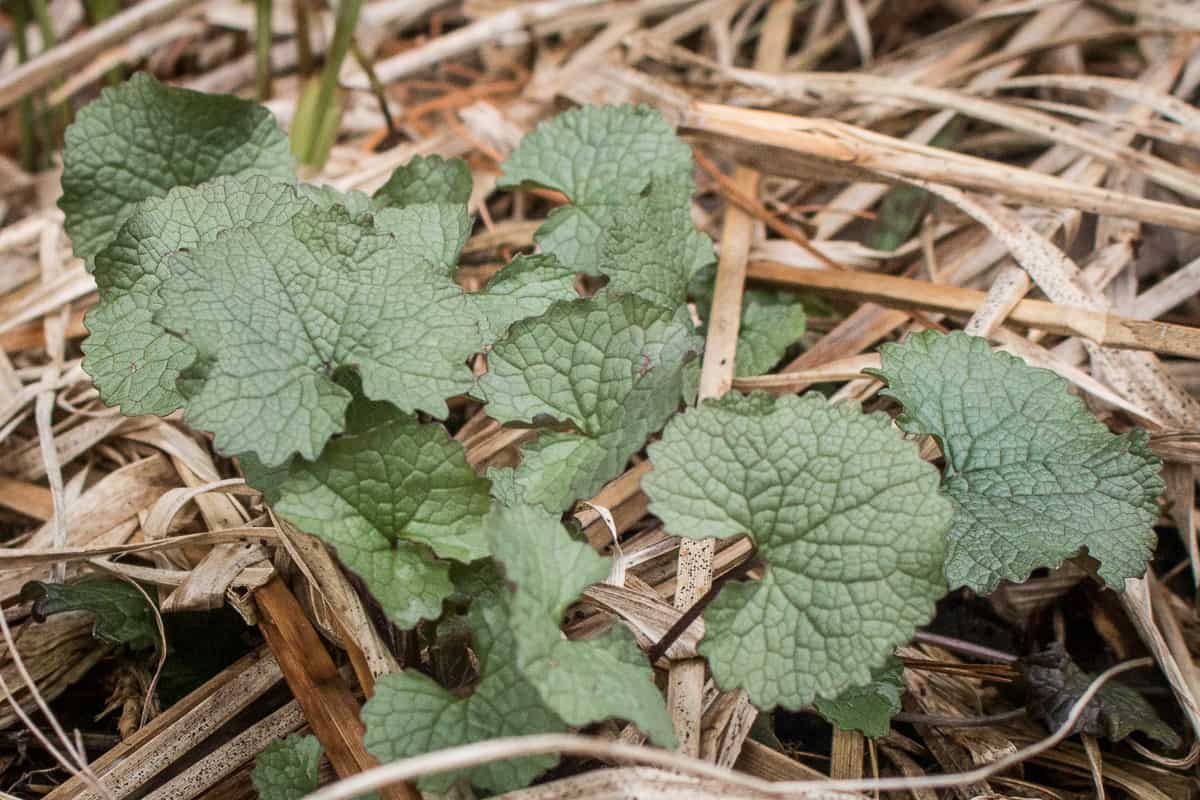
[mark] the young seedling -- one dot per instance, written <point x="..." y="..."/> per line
<point x="319" y="336"/>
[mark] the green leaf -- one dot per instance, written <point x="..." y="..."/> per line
<point x="1056" y="684"/>
<point x="601" y="158"/>
<point x="432" y="231"/>
<point x="426" y="179"/>
<point x="900" y="214"/>
<point x="141" y="139"/>
<point x="325" y="196"/>
<point x="560" y="467"/>
<point x="267" y="480"/>
<point x="582" y="681"/>
<point x="410" y="714"/>
<point x="134" y="362"/>
<point x="286" y="769"/>
<point x="525" y="287"/>
<point x="424" y="204"/>
<point x="904" y="206"/>
<point x="610" y="366"/>
<point x="772" y="321"/>
<point x="846" y="516"/>
<point x="275" y="310"/>
<point x="390" y="496"/>
<point x="1034" y="477"/>
<point x="651" y="248"/>
<point x="868" y="709"/>
<point x="122" y="614"/>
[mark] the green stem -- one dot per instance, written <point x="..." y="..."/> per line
<point x="262" y="49"/>
<point x="343" y="32"/>
<point x="58" y="118"/>
<point x="100" y="10"/>
<point x="304" y="53"/>
<point x="377" y="90"/>
<point x="28" y="144"/>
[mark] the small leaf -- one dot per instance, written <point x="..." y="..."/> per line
<point x="1034" y="477"/>
<point x="582" y="681"/>
<point x="868" y="709"/>
<point x="410" y="714"/>
<point x="259" y="476"/>
<point x="559" y="468"/>
<point x="122" y="614"/>
<point x="600" y="157"/>
<point x="286" y="769"/>
<point x="325" y="196"/>
<point x="772" y="321"/>
<point x="900" y="214"/>
<point x="141" y="139"/>
<point x="428" y="231"/>
<point x="525" y="287"/>
<point x="424" y="205"/>
<point x="275" y="310"/>
<point x="389" y="496"/>
<point x="847" y="517"/>
<point x="434" y="230"/>
<point x="651" y="248"/>
<point x="904" y="206"/>
<point x="611" y="366"/>
<point x="1056" y="684"/>
<point x="426" y="179"/>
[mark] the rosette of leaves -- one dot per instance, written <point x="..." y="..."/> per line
<point x="208" y="290"/>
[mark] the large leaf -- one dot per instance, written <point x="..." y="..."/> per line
<point x="610" y="366"/>
<point x="410" y="714"/>
<point x="390" y="496"/>
<point x="1034" y="476"/>
<point x="275" y="310"/>
<point x="582" y="681"/>
<point x="601" y="158"/>
<point x="141" y="139"/>
<point x="846" y="516"/>
<point x="134" y="362"/>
